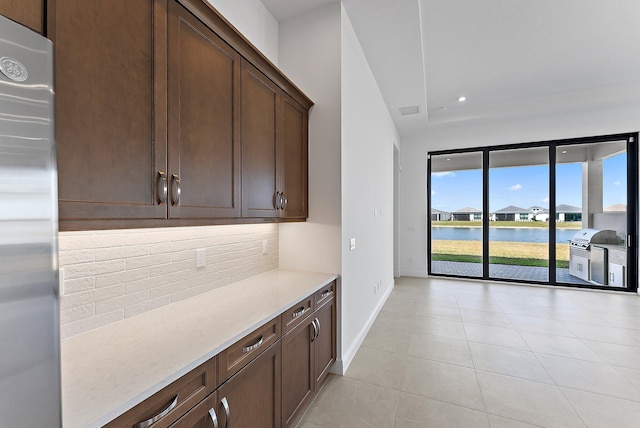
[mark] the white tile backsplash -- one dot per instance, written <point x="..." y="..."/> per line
<point x="110" y="275"/>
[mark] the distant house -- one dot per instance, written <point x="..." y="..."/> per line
<point x="566" y="212"/>
<point x="513" y="213"/>
<point x="467" y="214"/>
<point x="537" y="213"/>
<point x="437" y="215"/>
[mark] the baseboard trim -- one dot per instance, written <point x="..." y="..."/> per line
<point x="341" y="366"/>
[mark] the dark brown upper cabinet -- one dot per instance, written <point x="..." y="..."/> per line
<point x="204" y="107"/>
<point x="274" y="149"/>
<point x="26" y="12"/>
<point x="167" y="116"/>
<point x="110" y="82"/>
<point x="260" y="164"/>
<point x="294" y="158"/>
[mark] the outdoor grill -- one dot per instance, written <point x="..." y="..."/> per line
<point x="584" y="238"/>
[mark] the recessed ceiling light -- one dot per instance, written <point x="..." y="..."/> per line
<point x="443" y="109"/>
<point x="448" y="159"/>
<point x="564" y="151"/>
<point x="462" y="99"/>
<point x="409" y="110"/>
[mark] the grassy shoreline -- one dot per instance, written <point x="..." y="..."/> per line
<point x="500" y="252"/>
<point x="509" y="224"/>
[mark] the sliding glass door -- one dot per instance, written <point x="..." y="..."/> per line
<point x="592" y="193"/>
<point x="456" y="214"/>
<point x="559" y="212"/>
<point x="519" y="214"/>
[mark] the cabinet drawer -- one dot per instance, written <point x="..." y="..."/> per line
<point x="246" y="349"/>
<point x="173" y="401"/>
<point x="298" y="312"/>
<point x="325" y="293"/>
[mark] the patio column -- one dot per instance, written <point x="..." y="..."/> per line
<point x="591" y="191"/>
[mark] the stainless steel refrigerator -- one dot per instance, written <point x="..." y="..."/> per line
<point x="29" y="314"/>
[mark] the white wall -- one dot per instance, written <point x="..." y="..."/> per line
<point x="351" y="147"/>
<point x="254" y="21"/>
<point x="577" y="122"/>
<point x="368" y="138"/>
<point x="310" y="57"/>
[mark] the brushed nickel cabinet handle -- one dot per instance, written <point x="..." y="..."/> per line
<point x="276" y="200"/>
<point x="175" y="190"/>
<point x="252" y="347"/>
<point x="315" y="330"/>
<point x="318" y="324"/>
<point x="227" y="411"/>
<point x="214" y="418"/>
<point x="163" y="188"/>
<point x="284" y="201"/>
<point x="325" y="293"/>
<point x="299" y="312"/>
<point x="156" y="418"/>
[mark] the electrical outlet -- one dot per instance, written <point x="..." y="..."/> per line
<point x="265" y="246"/>
<point x="201" y="257"/>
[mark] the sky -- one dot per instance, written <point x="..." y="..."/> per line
<point x="526" y="186"/>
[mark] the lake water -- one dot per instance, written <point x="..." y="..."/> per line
<point x="508" y="234"/>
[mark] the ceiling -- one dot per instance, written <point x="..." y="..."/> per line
<point x="504" y="56"/>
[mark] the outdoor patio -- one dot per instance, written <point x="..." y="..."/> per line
<point x="525" y="273"/>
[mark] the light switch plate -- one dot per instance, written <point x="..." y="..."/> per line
<point x="265" y="246"/>
<point x="352" y="244"/>
<point x="201" y="258"/>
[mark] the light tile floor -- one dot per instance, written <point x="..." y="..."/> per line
<point x="447" y="353"/>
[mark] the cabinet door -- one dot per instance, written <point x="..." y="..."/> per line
<point x="294" y="148"/>
<point x="252" y="396"/>
<point x="110" y="80"/>
<point x="259" y="154"/>
<point x="325" y="342"/>
<point x="204" y="109"/>
<point x="26" y="12"/>
<point x="297" y="370"/>
<point x="201" y="416"/>
<point x="616" y="275"/>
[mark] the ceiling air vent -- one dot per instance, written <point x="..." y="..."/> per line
<point x="409" y="110"/>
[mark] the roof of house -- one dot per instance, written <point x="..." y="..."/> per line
<point x="564" y="208"/>
<point x="468" y="210"/>
<point x="437" y="211"/>
<point x="616" y="208"/>
<point x="512" y="209"/>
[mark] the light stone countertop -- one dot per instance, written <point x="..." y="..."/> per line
<point x="107" y="371"/>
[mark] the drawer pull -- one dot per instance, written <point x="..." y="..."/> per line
<point x="252" y="347"/>
<point x="156" y="418"/>
<point x="299" y="312"/>
<point x="227" y="411"/>
<point x="325" y="293"/>
<point x="163" y="188"/>
<point x="315" y="330"/>
<point x="214" y="418"/>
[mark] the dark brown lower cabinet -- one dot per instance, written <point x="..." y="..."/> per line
<point x="249" y="399"/>
<point x="325" y="342"/>
<point x="297" y="370"/>
<point x="267" y="379"/>
<point x="308" y="352"/>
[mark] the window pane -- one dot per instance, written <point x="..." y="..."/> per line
<point x="519" y="214"/>
<point x="456" y="214"/>
<point x="591" y="191"/>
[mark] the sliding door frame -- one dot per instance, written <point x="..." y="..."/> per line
<point x="632" y="207"/>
